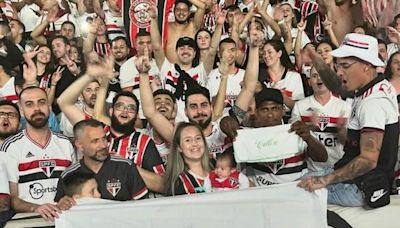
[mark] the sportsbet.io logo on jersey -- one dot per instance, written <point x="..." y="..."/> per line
<point x="139" y="13"/>
<point x="37" y="190"/>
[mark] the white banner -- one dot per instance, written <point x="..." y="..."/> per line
<point x="283" y="205"/>
<point x="266" y="144"/>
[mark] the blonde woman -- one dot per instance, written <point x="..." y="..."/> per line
<point x="188" y="161"/>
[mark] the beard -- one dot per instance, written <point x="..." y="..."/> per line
<point x="202" y="123"/>
<point x="4" y="135"/>
<point x="38" y="123"/>
<point x="89" y="101"/>
<point x="125" y="128"/>
<point x="99" y="158"/>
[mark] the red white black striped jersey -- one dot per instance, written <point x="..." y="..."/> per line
<point x="137" y="147"/>
<point x="117" y="179"/>
<point x="282" y="171"/>
<point x="102" y="49"/>
<point x="188" y="183"/>
<point x="327" y="117"/>
<point x="36" y="168"/>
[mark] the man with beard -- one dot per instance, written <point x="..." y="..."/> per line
<point x="74" y="111"/>
<point x="117" y="178"/>
<point x="120" y="51"/>
<point x="9" y="124"/>
<point x="70" y="70"/>
<point x="183" y="26"/>
<point x="124" y="140"/>
<point x="35" y="158"/>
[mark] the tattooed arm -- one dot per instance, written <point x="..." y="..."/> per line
<point x="370" y="146"/>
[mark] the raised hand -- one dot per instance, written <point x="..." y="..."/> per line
<point x="55" y="78"/>
<point x="102" y="69"/>
<point x="52" y="16"/>
<point x="327" y="23"/>
<point x="152" y="11"/>
<point x="301" y="129"/>
<point x="301" y="26"/>
<point x="393" y="35"/>
<point x="220" y="15"/>
<point x="31" y="54"/>
<point x="71" y="65"/>
<point x="256" y="36"/>
<point x="143" y="62"/>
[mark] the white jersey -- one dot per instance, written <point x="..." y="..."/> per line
<point x="4" y="188"/>
<point x="327" y="117"/>
<point x="169" y="78"/>
<point x="162" y="148"/>
<point x="129" y="76"/>
<point x="233" y="86"/>
<point x="217" y="141"/>
<point x="7" y="92"/>
<point x="291" y="84"/>
<point x="36" y="168"/>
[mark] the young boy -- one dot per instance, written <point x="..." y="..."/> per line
<point x="225" y="176"/>
<point x="79" y="185"/>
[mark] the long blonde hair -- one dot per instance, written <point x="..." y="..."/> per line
<point x="176" y="163"/>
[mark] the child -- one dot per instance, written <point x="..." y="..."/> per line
<point x="79" y="185"/>
<point x="225" y="176"/>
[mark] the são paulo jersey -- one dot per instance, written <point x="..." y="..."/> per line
<point x="117" y="179"/>
<point x="233" y="86"/>
<point x="36" y="168"/>
<point x="374" y="108"/>
<point x="326" y="117"/>
<point x="169" y="79"/>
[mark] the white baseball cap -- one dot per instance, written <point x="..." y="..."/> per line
<point x="288" y="2"/>
<point x="360" y="46"/>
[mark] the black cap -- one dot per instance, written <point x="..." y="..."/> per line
<point x="269" y="94"/>
<point x="186" y="41"/>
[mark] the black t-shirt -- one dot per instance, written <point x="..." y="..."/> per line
<point x="117" y="179"/>
<point x="66" y="80"/>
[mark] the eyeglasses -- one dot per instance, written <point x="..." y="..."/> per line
<point x="121" y="107"/>
<point x="344" y="66"/>
<point x="9" y="115"/>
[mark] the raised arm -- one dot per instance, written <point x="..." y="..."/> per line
<point x="199" y="15"/>
<point x="328" y="27"/>
<point x="251" y="76"/>
<point x="103" y="71"/>
<point x="212" y="51"/>
<point x="68" y="98"/>
<point x="241" y="54"/>
<point x="37" y="33"/>
<point x="156" y="40"/>
<point x="88" y="43"/>
<point x="219" y="100"/>
<point x="268" y="20"/>
<point x="297" y="46"/>
<point x="155" y="118"/>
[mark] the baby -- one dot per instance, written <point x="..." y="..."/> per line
<point x="225" y="176"/>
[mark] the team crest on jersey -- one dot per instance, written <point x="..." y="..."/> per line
<point x="230" y="99"/>
<point x="113" y="186"/>
<point x="139" y="13"/>
<point x="323" y="122"/>
<point x="276" y="166"/>
<point x="132" y="151"/>
<point x="47" y="167"/>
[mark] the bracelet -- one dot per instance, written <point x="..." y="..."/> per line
<point x="53" y="84"/>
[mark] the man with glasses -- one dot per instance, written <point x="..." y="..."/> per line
<point x="9" y="124"/>
<point x="36" y="157"/>
<point x="373" y="129"/>
<point x="124" y="140"/>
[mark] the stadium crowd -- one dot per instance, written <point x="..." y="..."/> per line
<point x="127" y="100"/>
